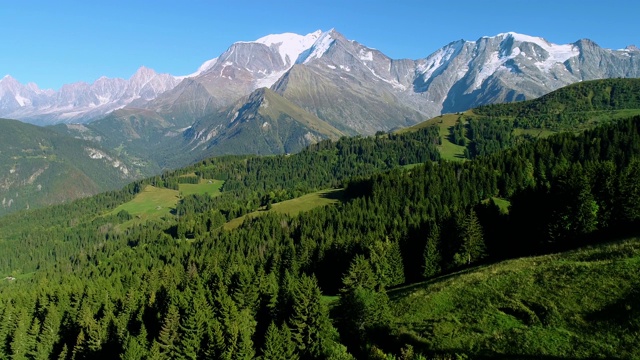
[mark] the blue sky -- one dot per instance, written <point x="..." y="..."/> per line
<point x="56" y="42"/>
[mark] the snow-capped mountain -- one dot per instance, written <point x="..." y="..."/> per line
<point x="79" y="102"/>
<point x="355" y="88"/>
<point x="344" y="82"/>
<point x="244" y="67"/>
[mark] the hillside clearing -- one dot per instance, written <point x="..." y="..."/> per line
<point x="293" y="206"/>
<point x="206" y="186"/>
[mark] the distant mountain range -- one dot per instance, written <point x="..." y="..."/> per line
<point x="79" y="102"/>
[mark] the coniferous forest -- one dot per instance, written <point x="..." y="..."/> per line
<point x="85" y="282"/>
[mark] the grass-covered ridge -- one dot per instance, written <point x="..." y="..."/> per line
<point x="578" y="304"/>
<point x="292" y="207"/>
<point x="577" y="107"/>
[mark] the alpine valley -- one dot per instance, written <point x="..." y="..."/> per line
<point x="283" y="92"/>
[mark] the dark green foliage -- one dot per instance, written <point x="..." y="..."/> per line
<point x="432" y="256"/>
<point x="310" y="325"/>
<point x="278" y="344"/>
<point x="472" y="248"/>
<point x="565" y="108"/>
<point x="87" y="286"/>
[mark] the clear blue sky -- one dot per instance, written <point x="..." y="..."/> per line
<point x="56" y="42"/>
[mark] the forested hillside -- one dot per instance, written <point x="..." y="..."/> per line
<point x="577" y="107"/>
<point x="39" y="167"/>
<point x="85" y="282"/>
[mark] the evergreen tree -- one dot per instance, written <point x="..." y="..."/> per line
<point x="472" y="246"/>
<point x="278" y="344"/>
<point x="432" y="253"/>
<point x="48" y="336"/>
<point x="168" y="337"/>
<point x="20" y="339"/>
<point x="133" y="349"/>
<point x="310" y="325"/>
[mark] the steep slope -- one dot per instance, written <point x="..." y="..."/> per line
<point x="262" y="123"/>
<point x="511" y="66"/>
<point x="40" y="167"/>
<point x="354" y="88"/>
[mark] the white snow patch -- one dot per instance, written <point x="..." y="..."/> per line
<point x="396" y="85"/>
<point x="437" y="60"/>
<point x="265" y="124"/>
<point x="269" y="80"/>
<point x="494" y="62"/>
<point x="318" y="49"/>
<point x="345" y="68"/>
<point x="557" y="53"/>
<point x="331" y="67"/>
<point x="366" y="55"/>
<point x="290" y="45"/>
<point x="203" y="68"/>
<point x="22" y="100"/>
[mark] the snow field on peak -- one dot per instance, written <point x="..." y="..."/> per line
<point x="318" y="49"/>
<point x="290" y="45"/>
<point x="557" y="53"/>
<point x="435" y="61"/>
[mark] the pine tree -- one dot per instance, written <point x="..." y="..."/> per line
<point x="63" y="353"/>
<point x="278" y="344"/>
<point x="432" y="253"/>
<point x="49" y="334"/>
<point x="20" y="339"/>
<point x="472" y="246"/>
<point x="360" y="274"/>
<point x="133" y="349"/>
<point x="273" y="344"/>
<point x="79" y="349"/>
<point x="168" y="337"/>
<point x="309" y="322"/>
<point x="190" y="333"/>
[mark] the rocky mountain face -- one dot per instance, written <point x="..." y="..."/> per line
<point x="79" y="102"/>
<point x="262" y="123"/>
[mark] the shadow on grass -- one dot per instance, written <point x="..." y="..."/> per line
<point x="335" y="194"/>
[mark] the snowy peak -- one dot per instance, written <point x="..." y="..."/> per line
<point x="290" y="45"/>
<point x="434" y="62"/>
<point x="319" y="48"/>
<point x="143" y="74"/>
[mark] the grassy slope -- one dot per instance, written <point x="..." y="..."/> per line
<point x="584" y="303"/>
<point x="205" y="186"/>
<point x="293" y="206"/>
<point x="279" y="106"/>
<point x="448" y="150"/>
<point x="154" y="203"/>
<point x="151" y="203"/>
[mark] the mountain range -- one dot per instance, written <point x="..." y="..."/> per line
<point x="355" y="88"/>
<point x="283" y="92"/>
